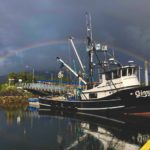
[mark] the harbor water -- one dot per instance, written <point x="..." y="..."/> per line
<point x="29" y="128"/>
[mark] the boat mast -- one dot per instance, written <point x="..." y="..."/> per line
<point x="90" y="46"/>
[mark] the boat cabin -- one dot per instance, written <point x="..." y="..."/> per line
<point x="112" y="81"/>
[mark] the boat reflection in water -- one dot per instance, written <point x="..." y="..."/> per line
<point x="121" y="133"/>
<point x="37" y="129"/>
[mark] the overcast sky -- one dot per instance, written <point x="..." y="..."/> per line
<point x="35" y="32"/>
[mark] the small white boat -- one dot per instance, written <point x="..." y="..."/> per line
<point x="34" y="102"/>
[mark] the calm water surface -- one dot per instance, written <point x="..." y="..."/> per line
<point x="25" y="129"/>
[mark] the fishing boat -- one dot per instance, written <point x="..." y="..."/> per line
<point x="118" y="88"/>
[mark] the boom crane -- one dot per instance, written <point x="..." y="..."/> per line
<point x="76" y="52"/>
<point x="68" y="67"/>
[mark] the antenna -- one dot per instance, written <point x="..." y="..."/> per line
<point x="89" y="27"/>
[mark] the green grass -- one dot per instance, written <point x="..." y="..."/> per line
<point x="6" y="90"/>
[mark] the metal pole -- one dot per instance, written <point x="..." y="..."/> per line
<point x="52" y="77"/>
<point x="146" y="72"/>
<point x="32" y="75"/>
<point x="139" y="74"/>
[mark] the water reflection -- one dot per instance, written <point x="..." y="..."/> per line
<point x="123" y="132"/>
<point x="33" y="129"/>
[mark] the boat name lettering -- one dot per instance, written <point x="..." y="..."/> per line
<point x="140" y="93"/>
<point x="142" y="138"/>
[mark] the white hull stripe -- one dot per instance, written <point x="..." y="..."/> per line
<point x="83" y="101"/>
<point x="104" y="108"/>
<point x="100" y="100"/>
<point x="45" y="105"/>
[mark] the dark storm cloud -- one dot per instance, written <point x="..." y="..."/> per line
<point x="123" y="24"/>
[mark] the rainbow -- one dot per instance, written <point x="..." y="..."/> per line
<point x="13" y="52"/>
<point x="131" y="53"/>
<point x="4" y="55"/>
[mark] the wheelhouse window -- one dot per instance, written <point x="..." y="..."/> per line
<point x="134" y="70"/>
<point x="92" y="95"/>
<point x="124" y="72"/>
<point x="113" y="74"/>
<point x="116" y="74"/>
<point x="108" y="76"/>
<point x="127" y="71"/>
<point x="130" y="71"/>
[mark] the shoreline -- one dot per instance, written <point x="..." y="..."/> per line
<point x="14" y="101"/>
